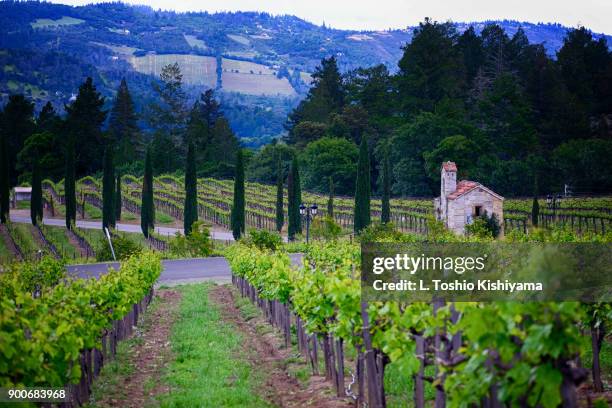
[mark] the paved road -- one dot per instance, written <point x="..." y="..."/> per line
<point x="221" y="235"/>
<point x="176" y="271"/>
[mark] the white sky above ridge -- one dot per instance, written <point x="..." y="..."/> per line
<point x="383" y="14"/>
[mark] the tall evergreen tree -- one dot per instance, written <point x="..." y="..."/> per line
<point x="330" y="200"/>
<point x="431" y="68"/>
<point x="169" y="116"/>
<point x="237" y="214"/>
<point x="4" y="180"/>
<point x="122" y="125"/>
<point x="147" y="209"/>
<point x="84" y="120"/>
<point x="295" y="200"/>
<point x="36" y="204"/>
<point x="108" y="189"/>
<point x="17" y="125"/>
<point x="385" y="214"/>
<point x="362" y="191"/>
<point x="118" y="199"/>
<point x="280" y="214"/>
<point x="191" y="191"/>
<point x="325" y="97"/>
<point x="535" y="205"/>
<point x="70" y="184"/>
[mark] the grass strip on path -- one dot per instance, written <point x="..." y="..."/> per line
<point x="209" y="369"/>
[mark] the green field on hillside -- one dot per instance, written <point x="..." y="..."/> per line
<point x="47" y="22"/>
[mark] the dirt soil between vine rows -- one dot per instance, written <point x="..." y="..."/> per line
<point x="267" y="354"/>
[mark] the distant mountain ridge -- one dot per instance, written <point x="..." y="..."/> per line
<point x="258" y="61"/>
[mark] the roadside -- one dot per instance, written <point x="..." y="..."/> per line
<point x="20" y="216"/>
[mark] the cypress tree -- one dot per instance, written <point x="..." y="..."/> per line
<point x="297" y="185"/>
<point x="118" y="200"/>
<point x="69" y="185"/>
<point x="4" y="180"/>
<point x="108" y="189"/>
<point x="36" y="205"/>
<point x="147" y="210"/>
<point x="362" y="191"/>
<point x="385" y="214"/>
<point x="295" y="199"/>
<point x="280" y="215"/>
<point x="535" y="206"/>
<point x="330" y="200"/>
<point x="237" y="214"/>
<point x="191" y="191"/>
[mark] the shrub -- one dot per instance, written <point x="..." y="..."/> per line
<point x="377" y="232"/>
<point x="196" y="244"/>
<point x="325" y="228"/>
<point x="484" y="227"/>
<point x="263" y="239"/>
<point x="123" y="246"/>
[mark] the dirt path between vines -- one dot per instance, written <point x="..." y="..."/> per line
<point x="149" y="352"/>
<point x="266" y="354"/>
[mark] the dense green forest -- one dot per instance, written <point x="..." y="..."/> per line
<point x="508" y="114"/>
<point x="259" y="64"/>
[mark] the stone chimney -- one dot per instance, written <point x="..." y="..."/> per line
<point x="448" y="179"/>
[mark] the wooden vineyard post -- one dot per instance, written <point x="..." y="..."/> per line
<point x="340" y="371"/>
<point x="374" y="395"/>
<point x="419" y="382"/>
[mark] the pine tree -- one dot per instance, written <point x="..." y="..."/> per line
<point x="237" y="214"/>
<point x="118" y="199"/>
<point x="330" y="200"/>
<point x="122" y="125"/>
<point x="191" y="191"/>
<point x="69" y="185"/>
<point x="362" y="192"/>
<point x="147" y="210"/>
<point x="4" y="180"/>
<point x="280" y="214"/>
<point x="385" y="214"/>
<point x="295" y="200"/>
<point x="108" y="189"/>
<point x="36" y="205"/>
<point x="84" y="119"/>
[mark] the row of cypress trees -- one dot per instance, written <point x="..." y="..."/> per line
<point x="362" y="193"/>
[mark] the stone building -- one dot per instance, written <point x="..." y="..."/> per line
<point x="460" y="202"/>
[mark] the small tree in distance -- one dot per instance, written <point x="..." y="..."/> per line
<point x="36" y="205"/>
<point x="108" y="189"/>
<point x="190" y="213"/>
<point x="385" y="213"/>
<point x="362" y="191"/>
<point x="280" y="214"/>
<point x="147" y="210"/>
<point x="118" y="199"/>
<point x="330" y="200"/>
<point x="294" y="226"/>
<point x="237" y="214"/>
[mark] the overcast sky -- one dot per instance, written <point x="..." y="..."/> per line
<point x="382" y="14"/>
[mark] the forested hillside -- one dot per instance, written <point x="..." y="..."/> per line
<point x="259" y="63"/>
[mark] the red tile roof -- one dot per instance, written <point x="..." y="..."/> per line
<point x="462" y="187"/>
<point x="449" y="166"/>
